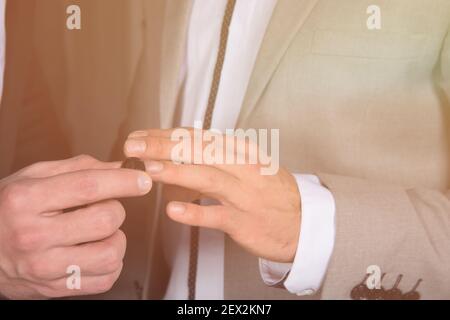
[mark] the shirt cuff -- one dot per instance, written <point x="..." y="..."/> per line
<point x="317" y="235"/>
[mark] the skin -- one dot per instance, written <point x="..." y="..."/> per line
<point x="261" y="213"/>
<point x="38" y="241"/>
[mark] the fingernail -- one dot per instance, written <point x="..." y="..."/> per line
<point x="176" y="208"/>
<point x="135" y="147"/>
<point x="144" y="183"/>
<point x="154" y="167"/>
<point x="138" y="134"/>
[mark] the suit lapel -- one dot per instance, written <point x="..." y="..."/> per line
<point x="288" y="17"/>
<point x="174" y="40"/>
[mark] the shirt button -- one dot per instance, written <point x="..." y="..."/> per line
<point x="307" y="292"/>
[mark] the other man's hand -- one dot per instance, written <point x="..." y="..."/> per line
<point x="40" y="236"/>
<point x="262" y="213"/>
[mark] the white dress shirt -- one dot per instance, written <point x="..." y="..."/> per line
<point x="247" y="30"/>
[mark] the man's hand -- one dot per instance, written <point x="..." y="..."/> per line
<point x="261" y="213"/>
<point x="39" y="239"/>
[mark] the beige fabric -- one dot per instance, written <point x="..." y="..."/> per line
<point x="91" y="71"/>
<point x="14" y="85"/>
<point x="370" y="110"/>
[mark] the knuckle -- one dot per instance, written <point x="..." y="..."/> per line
<point x="34" y="168"/>
<point x="15" y="196"/>
<point x="112" y="257"/>
<point x="112" y="264"/>
<point x="107" y="222"/>
<point x="85" y="159"/>
<point x="121" y="239"/>
<point x="110" y="218"/>
<point x="119" y="211"/>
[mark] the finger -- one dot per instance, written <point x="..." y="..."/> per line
<point x="52" y="168"/>
<point x="224" y="152"/>
<point x="204" y="179"/>
<point x="241" y="146"/>
<point x="95" y="222"/>
<point x="214" y="217"/>
<point x="150" y="147"/>
<point x="93" y="259"/>
<point x="88" y="285"/>
<point x="83" y="187"/>
<point x="165" y="145"/>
